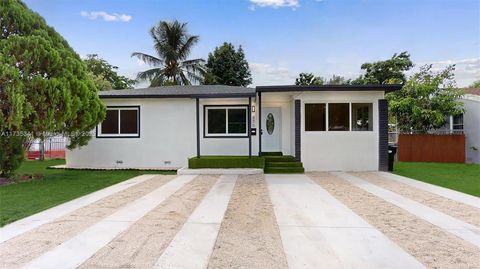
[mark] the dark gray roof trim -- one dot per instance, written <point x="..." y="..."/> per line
<point x="301" y="88"/>
<point x="202" y="91"/>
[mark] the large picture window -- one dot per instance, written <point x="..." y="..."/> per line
<point x="120" y="122"/>
<point x="341" y="117"/>
<point x="226" y="121"/>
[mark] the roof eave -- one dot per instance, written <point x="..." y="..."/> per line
<point x="194" y="96"/>
<point x="296" y="88"/>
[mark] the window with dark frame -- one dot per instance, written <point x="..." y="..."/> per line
<point x="120" y="122"/>
<point x="315" y="117"/>
<point x="226" y="121"/>
<point x="338" y="117"/>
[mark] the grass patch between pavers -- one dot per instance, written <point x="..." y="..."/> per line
<point x="20" y="200"/>
<point x="456" y="176"/>
<point x="226" y="162"/>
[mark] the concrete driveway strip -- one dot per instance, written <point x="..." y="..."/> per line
<point x="320" y="232"/>
<point x="193" y="245"/>
<point x="450" y="224"/>
<point x="34" y="221"/>
<point x="75" y="251"/>
<point x="447" y="193"/>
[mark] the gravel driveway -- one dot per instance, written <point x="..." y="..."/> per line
<point x="316" y="220"/>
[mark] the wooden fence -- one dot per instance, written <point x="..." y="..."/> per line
<point x="448" y="148"/>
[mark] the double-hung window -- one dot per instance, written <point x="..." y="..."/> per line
<point x="226" y="121"/>
<point x="120" y="122"/>
<point x="457" y="122"/>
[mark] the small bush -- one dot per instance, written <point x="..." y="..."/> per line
<point x="11" y="154"/>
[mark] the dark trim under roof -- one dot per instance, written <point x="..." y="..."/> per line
<point x="301" y="88"/>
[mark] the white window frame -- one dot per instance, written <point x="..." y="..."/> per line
<point x="327" y="114"/>
<point x="120" y="135"/>
<point x="207" y="134"/>
<point x="452" y="125"/>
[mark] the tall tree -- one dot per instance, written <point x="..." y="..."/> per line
<point x="44" y="85"/>
<point x="227" y="66"/>
<point x="172" y="45"/>
<point x="390" y="71"/>
<point x="105" y="74"/>
<point x="426" y="100"/>
<point x="338" y="80"/>
<point x="309" y="79"/>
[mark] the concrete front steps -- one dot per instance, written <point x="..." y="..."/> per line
<point x="276" y="163"/>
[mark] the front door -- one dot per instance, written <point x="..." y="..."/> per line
<point x="271" y="126"/>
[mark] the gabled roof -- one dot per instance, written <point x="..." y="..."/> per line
<point x="201" y="91"/>
<point x="300" y="88"/>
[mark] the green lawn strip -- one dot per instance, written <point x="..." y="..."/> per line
<point x="20" y="200"/>
<point x="226" y="162"/>
<point x="460" y="177"/>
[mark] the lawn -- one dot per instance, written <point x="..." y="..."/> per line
<point x="58" y="186"/>
<point x="461" y="177"/>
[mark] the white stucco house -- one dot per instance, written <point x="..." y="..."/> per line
<point x="328" y="128"/>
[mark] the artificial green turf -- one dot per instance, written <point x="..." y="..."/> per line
<point x="226" y="162"/>
<point x="461" y="177"/>
<point x="20" y="200"/>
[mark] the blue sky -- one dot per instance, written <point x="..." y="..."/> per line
<point x="281" y="38"/>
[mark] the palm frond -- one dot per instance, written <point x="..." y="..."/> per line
<point x="195" y="77"/>
<point x="149" y="59"/>
<point x="186" y="47"/>
<point x="149" y="74"/>
<point x="184" y="78"/>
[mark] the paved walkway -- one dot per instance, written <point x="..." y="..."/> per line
<point x="309" y="218"/>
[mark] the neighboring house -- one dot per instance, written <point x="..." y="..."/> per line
<point x="328" y="128"/>
<point x="470" y="123"/>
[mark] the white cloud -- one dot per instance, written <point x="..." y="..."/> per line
<point x="275" y="3"/>
<point x="93" y="15"/>
<point x="268" y="74"/>
<point x="466" y="70"/>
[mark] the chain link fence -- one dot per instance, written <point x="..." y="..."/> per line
<point x="50" y="148"/>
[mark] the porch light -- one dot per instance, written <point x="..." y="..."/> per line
<point x="253" y="108"/>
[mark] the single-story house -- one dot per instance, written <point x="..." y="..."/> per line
<point x="328" y="128"/>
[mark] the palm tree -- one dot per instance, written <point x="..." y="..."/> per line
<point x="171" y="67"/>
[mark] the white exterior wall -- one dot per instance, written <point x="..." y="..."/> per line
<point x="340" y="150"/>
<point x="167" y="137"/>
<point x="167" y="134"/>
<point x="225" y="146"/>
<point x="471" y="126"/>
